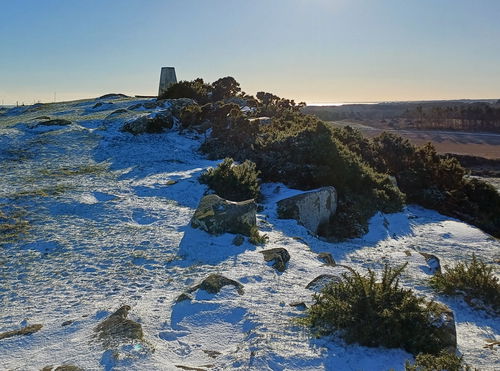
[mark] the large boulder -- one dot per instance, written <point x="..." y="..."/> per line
<point x="117" y="328"/>
<point x="217" y="216"/>
<point x="311" y="209"/>
<point x="155" y="122"/>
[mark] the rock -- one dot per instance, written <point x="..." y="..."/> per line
<point x="311" y="209"/>
<point x="55" y="122"/>
<point x="445" y="323"/>
<point x="118" y="111"/>
<point x="28" y="330"/>
<point x="183" y="297"/>
<point x="155" y="122"/>
<point x="67" y="323"/>
<point x="194" y="368"/>
<point x="327" y="258"/>
<point x="217" y="216"/>
<point x="212" y="353"/>
<point x="62" y="368"/>
<point x="215" y="282"/>
<point x="117" y="327"/>
<point x="238" y="240"/>
<point x="299" y="305"/>
<point x="279" y="256"/>
<point x="321" y="281"/>
<point x="433" y="262"/>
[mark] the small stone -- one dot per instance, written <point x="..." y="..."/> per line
<point x="118" y="327"/>
<point x="327" y="258"/>
<point x="238" y="240"/>
<point x="321" y="281"/>
<point x="67" y="323"/>
<point x="183" y="297"/>
<point x="279" y="256"/>
<point x="299" y="305"/>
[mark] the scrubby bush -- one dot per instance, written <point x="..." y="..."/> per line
<point x="256" y="238"/>
<point x="233" y="182"/>
<point x="473" y="279"/>
<point x="191" y="115"/>
<point x="375" y="314"/>
<point x="443" y="361"/>
<point x="196" y="89"/>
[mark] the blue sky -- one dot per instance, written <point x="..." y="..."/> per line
<point x="311" y="50"/>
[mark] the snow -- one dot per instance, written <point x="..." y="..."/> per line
<point x="117" y="232"/>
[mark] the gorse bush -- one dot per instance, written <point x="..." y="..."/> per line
<point x="233" y="182"/>
<point x="374" y="314"/>
<point x="256" y="238"/>
<point x="305" y="152"/>
<point x="474" y="279"/>
<point x="443" y="361"/>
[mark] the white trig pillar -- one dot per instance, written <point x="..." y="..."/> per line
<point x="167" y="79"/>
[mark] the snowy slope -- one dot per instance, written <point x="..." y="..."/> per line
<point x="108" y="228"/>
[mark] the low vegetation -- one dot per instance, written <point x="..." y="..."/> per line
<point x="442" y="361"/>
<point x="13" y="223"/>
<point x="376" y="313"/>
<point x="474" y="279"/>
<point x="257" y="238"/>
<point x="301" y="151"/>
<point x="235" y="182"/>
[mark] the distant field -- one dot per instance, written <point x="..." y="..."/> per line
<point x="475" y="144"/>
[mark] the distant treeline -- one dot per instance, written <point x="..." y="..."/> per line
<point x="446" y="115"/>
<point x="465" y="117"/>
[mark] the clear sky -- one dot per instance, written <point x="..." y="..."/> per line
<point x="309" y="50"/>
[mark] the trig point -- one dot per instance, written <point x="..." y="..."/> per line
<point x="167" y="78"/>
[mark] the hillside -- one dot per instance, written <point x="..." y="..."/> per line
<point x="100" y="218"/>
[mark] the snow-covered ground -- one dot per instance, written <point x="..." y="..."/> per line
<point x="108" y="227"/>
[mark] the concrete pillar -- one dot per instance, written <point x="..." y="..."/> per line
<point x="167" y="78"/>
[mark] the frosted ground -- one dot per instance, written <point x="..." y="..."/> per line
<point x="105" y="221"/>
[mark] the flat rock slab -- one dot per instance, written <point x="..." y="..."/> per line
<point x="216" y="216"/>
<point x="311" y="209"/>
<point x="28" y="330"/>
<point x="279" y="256"/>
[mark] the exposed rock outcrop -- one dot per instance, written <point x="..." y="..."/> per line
<point x="155" y="122"/>
<point x="279" y="256"/>
<point x="117" y="328"/>
<point x="217" y="216"/>
<point x="54" y="122"/>
<point x="215" y="282"/>
<point x="311" y="209"/>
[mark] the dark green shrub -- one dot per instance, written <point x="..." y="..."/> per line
<point x="474" y="279"/>
<point x="443" y="361"/>
<point x="375" y="314"/>
<point x="233" y="182"/>
<point x="196" y="89"/>
<point x="224" y="88"/>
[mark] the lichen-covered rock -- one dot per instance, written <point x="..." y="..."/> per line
<point x="217" y="216"/>
<point x="215" y="282"/>
<point x="311" y="209"/>
<point x="279" y="256"/>
<point x="155" y="122"/>
<point x="28" y="330"/>
<point x="117" y="328"/>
